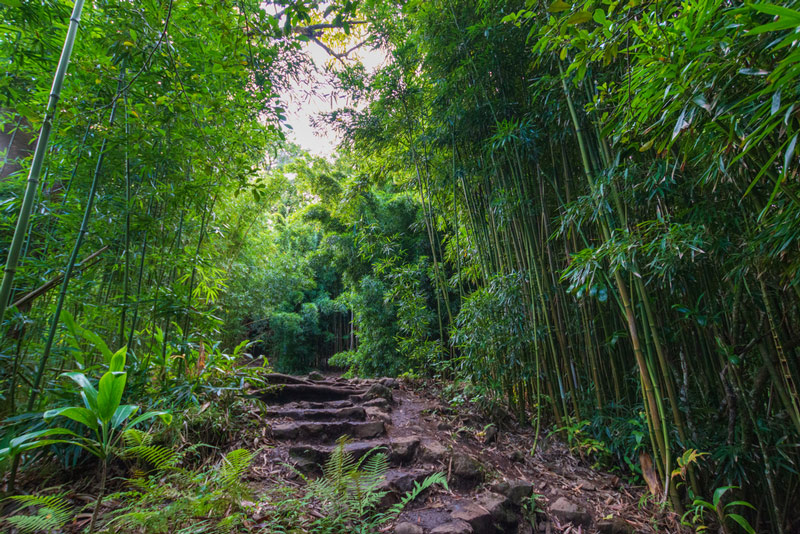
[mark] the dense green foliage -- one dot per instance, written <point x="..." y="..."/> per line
<point x="584" y="211"/>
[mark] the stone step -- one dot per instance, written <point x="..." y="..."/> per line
<point x="286" y="393"/>
<point x="328" y="431"/>
<point x="308" y="405"/>
<point x="352" y="413"/>
<point x="310" y="457"/>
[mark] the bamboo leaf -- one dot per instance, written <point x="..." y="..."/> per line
<point x="579" y="18"/>
<point x="787" y="158"/>
<point x="776" y="102"/>
<point x="558" y="6"/>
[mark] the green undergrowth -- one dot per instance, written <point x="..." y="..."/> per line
<point x="199" y="490"/>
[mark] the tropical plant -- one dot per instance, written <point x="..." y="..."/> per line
<point x="696" y="515"/>
<point x="104" y="416"/>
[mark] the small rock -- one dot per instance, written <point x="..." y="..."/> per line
<point x="466" y="472"/>
<point x="376" y="414"/>
<point x="390" y="383"/>
<point x="316" y="376"/>
<point x="432" y="452"/>
<point x="453" y="527"/>
<point x="408" y="528"/>
<point x="378" y="391"/>
<point x="403" y="449"/>
<point x="518" y="490"/>
<point x="518" y="457"/>
<point x="615" y="525"/>
<point x="500" y="508"/>
<point x="479" y="518"/>
<point x="569" y="512"/>
<point x="381" y="403"/>
<point x="490" y="434"/>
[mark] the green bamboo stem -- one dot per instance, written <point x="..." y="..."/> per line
<point x="31" y="188"/>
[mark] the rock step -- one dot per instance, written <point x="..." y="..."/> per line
<point x="352" y="413"/>
<point x="307" y="405"/>
<point x="400" y="451"/>
<point x="487" y="513"/>
<point x="328" y="431"/>
<point x="286" y="393"/>
<point x="310" y="457"/>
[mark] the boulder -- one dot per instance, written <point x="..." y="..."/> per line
<point x="432" y="452"/>
<point x="408" y="528"/>
<point x="453" y="527"/>
<point x="466" y="472"/>
<point x="376" y="391"/>
<point x="500" y="508"/>
<point x="615" y="525"/>
<point x="403" y="449"/>
<point x="478" y="517"/>
<point x="516" y="490"/>
<point x="567" y="511"/>
<point x="376" y="414"/>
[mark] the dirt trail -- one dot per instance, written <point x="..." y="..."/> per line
<point x="490" y="473"/>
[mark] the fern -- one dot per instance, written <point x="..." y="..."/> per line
<point x="233" y="467"/>
<point x="133" y="437"/>
<point x="419" y="487"/>
<point x="161" y="458"/>
<point x="52" y="513"/>
<point x="175" y="498"/>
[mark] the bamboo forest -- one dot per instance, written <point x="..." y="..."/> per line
<point x="400" y="266"/>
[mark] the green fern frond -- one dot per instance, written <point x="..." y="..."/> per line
<point x="234" y="464"/>
<point x="340" y="463"/>
<point x="375" y="469"/>
<point x="133" y="437"/>
<point x="53" y="511"/>
<point x="159" y="457"/>
<point x="419" y="487"/>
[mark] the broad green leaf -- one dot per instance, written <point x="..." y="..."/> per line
<point x="83" y="416"/>
<point x="118" y="360"/>
<point x="16" y="443"/>
<point x="122" y="414"/>
<point x="719" y="492"/>
<point x="98" y="342"/>
<point x="740" y="503"/>
<point x="599" y="17"/>
<point x="112" y="385"/>
<point x="88" y="392"/>
<point x="164" y="416"/>
<point x="558" y="6"/>
<point x="580" y="17"/>
<point x="744" y="523"/>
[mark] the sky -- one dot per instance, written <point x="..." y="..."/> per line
<point x="302" y="108"/>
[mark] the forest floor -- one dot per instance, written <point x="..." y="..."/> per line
<point x="495" y="484"/>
